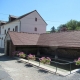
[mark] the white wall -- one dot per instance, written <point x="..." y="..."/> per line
<point x="11" y="26"/>
<point x="28" y="23"/>
<point x="5" y="27"/>
<point x="2" y="41"/>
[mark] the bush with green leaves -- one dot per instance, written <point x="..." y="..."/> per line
<point x="45" y="60"/>
<point x="22" y="55"/>
<point x="77" y="61"/>
<point x="31" y="57"/>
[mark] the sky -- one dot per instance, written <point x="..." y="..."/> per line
<point x="54" y="12"/>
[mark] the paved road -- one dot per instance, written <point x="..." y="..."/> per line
<point x="4" y="75"/>
<point x="23" y="71"/>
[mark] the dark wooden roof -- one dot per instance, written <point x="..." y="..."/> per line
<point x="24" y="38"/>
<point x="62" y="39"/>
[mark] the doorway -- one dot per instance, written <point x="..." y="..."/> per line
<point x="8" y="47"/>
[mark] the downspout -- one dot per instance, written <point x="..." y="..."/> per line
<point x="20" y="25"/>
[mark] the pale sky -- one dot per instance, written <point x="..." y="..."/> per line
<point x="54" y="12"/>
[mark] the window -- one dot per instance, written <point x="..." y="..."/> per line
<point x="35" y="19"/>
<point x="8" y="29"/>
<point x="5" y="32"/>
<point x="35" y="29"/>
<point x="13" y="29"/>
<point x="16" y="28"/>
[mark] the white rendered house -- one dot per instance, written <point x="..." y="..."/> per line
<point x="31" y="22"/>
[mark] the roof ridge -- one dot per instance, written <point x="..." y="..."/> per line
<point x="59" y="40"/>
<point x="62" y="32"/>
<point x="26" y="14"/>
<point x="20" y="17"/>
<point x="24" y="32"/>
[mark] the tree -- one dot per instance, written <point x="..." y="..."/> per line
<point x="62" y="27"/>
<point x="72" y="24"/>
<point x="53" y="29"/>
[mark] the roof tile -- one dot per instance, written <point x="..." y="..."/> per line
<point x="62" y="39"/>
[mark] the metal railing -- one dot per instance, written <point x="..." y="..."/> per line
<point x="67" y="63"/>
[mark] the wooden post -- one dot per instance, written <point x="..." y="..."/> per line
<point x="70" y="68"/>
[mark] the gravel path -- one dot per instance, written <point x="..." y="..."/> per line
<point x="23" y="71"/>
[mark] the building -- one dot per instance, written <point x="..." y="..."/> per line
<point x="31" y="22"/>
<point x="63" y="44"/>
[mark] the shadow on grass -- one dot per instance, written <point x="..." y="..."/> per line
<point x="42" y="71"/>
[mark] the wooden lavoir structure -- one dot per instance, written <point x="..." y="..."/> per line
<point x="64" y="44"/>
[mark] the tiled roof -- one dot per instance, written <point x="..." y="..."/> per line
<point x="62" y="39"/>
<point x="24" y="38"/>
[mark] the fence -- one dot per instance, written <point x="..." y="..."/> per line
<point x="54" y="61"/>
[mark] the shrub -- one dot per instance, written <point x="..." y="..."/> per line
<point x="22" y="55"/>
<point x="31" y="57"/>
<point x="77" y="61"/>
<point x="45" y="60"/>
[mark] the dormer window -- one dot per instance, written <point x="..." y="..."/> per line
<point x="2" y="22"/>
<point x="35" y="29"/>
<point x="35" y="19"/>
<point x="12" y="18"/>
